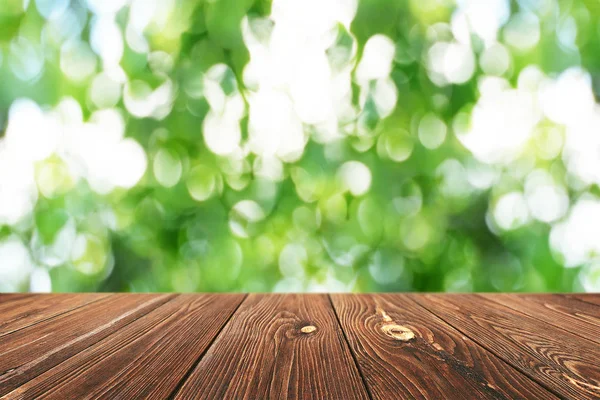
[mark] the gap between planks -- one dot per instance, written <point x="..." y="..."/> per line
<point x="94" y="336"/>
<point x="590" y="298"/>
<point x="273" y="331"/>
<point x="187" y="374"/>
<point x="136" y="335"/>
<point x="50" y="317"/>
<point x="356" y="364"/>
<point x="344" y="335"/>
<point x="436" y="361"/>
<point x="540" y="304"/>
<point x="473" y="338"/>
<point x="493" y="353"/>
<point x="546" y="382"/>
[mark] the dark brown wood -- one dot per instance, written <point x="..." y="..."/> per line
<point x="29" y="352"/>
<point x="278" y="346"/>
<point x="146" y="359"/>
<point x="436" y="361"/>
<point x="557" y="359"/>
<point x="575" y="316"/>
<point x="20" y="311"/>
<point x="299" y="346"/>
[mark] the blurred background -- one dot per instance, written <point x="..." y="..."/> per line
<point x="299" y="145"/>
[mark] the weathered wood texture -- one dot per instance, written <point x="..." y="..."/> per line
<point x="399" y="346"/>
<point x="28" y="352"/>
<point x="590" y="298"/>
<point x="278" y="346"/>
<point x="553" y="357"/>
<point x="438" y="362"/>
<point x="575" y="316"/>
<point x="146" y="359"/>
<point x="19" y="311"/>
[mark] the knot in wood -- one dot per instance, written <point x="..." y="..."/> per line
<point x="308" y="329"/>
<point x="398" y="332"/>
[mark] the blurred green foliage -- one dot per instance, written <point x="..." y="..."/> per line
<point x="394" y="202"/>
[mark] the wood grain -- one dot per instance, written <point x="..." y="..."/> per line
<point x="29" y="352"/>
<point x="438" y="362"/>
<point x="572" y="315"/>
<point x="553" y="357"/>
<point x="298" y="346"/>
<point x="146" y="359"/>
<point x="278" y="346"/>
<point x="14" y="296"/>
<point x="18" y="312"/>
<point x="592" y="298"/>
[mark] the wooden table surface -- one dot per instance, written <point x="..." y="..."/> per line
<point x="259" y="346"/>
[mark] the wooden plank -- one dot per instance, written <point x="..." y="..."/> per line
<point x="144" y="360"/>
<point x="5" y="297"/>
<point x="553" y="357"/>
<point x="592" y="298"/>
<point x="31" y="351"/>
<point x="22" y="311"/>
<point x="572" y="315"/>
<point x="278" y="346"/>
<point x="430" y="360"/>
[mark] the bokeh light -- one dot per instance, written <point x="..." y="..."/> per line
<point x="288" y="145"/>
